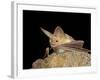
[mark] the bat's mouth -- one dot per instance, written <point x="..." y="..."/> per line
<point x="53" y="45"/>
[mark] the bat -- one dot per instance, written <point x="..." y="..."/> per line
<point x="61" y="42"/>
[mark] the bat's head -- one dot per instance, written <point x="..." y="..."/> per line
<point x="58" y="37"/>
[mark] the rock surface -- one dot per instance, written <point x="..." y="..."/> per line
<point x="68" y="59"/>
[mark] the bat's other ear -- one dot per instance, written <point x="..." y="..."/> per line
<point x="58" y="32"/>
<point x="50" y="35"/>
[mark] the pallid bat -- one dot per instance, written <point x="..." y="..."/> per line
<point x="61" y="42"/>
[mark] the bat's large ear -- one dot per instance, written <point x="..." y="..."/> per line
<point x="59" y="33"/>
<point x="50" y="35"/>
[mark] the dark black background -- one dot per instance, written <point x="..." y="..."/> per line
<point x="35" y="41"/>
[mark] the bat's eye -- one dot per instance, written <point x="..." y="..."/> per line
<point x="56" y="40"/>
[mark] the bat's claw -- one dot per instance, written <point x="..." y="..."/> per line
<point x="46" y="52"/>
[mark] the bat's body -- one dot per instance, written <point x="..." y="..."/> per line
<point x="61" y="42"/>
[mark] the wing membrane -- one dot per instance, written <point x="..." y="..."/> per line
<point x="74" y="45"/>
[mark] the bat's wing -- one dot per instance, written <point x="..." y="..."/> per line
<point x="74" y="45"/>
<point x="77" y="49"/>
